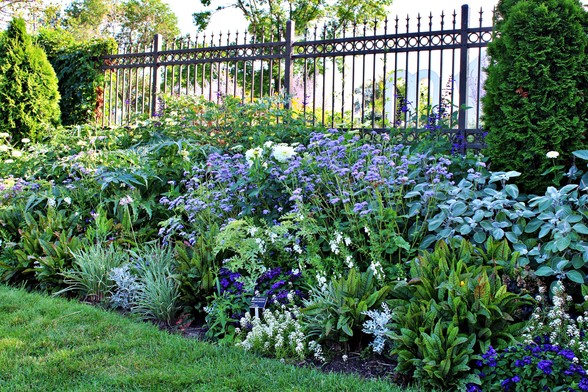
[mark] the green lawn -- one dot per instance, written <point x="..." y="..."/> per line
<point x="51" y="344"/>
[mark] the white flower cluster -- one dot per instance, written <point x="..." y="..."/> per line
<point x="377" y="326"/>
<point x="336" y="242"/>
<point x="278" y="334"/>
<point x="280" y="152"/>
<point x="125" y="200"/>
<point x="377" y="269"/>
<point x="556" y="323"/>
<point x="252" y="154"/>
<point x="321" y="282"/>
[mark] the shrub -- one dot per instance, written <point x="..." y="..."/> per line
<point x="90" y="275"/>
<point x="77" y="66"/>
<point x="336" y="312"/>
<point x="28" y="87"/>
<point x="124" y="289"/>
<point x="537" y="88"/>
<point x="453" y="306"/>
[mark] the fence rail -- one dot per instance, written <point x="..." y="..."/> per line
<point x="368" y="76"/>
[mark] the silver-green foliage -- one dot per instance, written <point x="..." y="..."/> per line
<point x="91" y="268"/>
<point x="550" y="231"/>
<point x="125" y="287"/>
<point x="157" y="297"/>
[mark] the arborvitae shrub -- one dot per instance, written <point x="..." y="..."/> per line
<point x="537" y="88"/>
<point x="29" y="99"/>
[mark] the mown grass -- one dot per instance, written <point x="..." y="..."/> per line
<point x="51" y="344"/>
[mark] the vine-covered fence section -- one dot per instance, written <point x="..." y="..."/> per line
<point x="400" y="73"/>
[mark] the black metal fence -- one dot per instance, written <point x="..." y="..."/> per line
<point x="391" y="74"/>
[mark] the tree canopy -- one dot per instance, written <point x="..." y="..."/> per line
<point x="264" y="15"/>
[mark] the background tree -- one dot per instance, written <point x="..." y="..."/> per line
<point x="28" y="86"/>
<point x="92" y="18"/>
<point x="130" y="21"/>
<point x="537" y="88"/>
<point x="264" y="15"/>
<point x="142" y="19"/>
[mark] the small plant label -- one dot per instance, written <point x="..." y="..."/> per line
<point x="258" y="303"/>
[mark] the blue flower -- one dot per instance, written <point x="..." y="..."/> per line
<point x="583" y="384"/>
<point x="545" y="366"/>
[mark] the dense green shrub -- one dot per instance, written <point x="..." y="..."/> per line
<point x="454" y="307"/>
<point x="81" y="81"/>
<point x="28" y="87"/>
<point x="536" y="92"/>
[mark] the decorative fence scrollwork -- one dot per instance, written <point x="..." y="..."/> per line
<point x="363" y="77"/>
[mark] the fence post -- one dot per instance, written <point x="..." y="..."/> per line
<point x="288" y="66"/>
<point x="155" y="88"/>
<point x="463" y="74"/>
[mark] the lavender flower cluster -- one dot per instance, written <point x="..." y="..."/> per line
<point x="334" y="171"/>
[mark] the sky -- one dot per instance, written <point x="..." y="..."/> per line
<point x="232" y="19"/>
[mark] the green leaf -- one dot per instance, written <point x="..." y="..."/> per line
<point x="582" y="154"/>
<point x="575" y="276"/>
<point x="544" y="271"/>
<point x="562" y="243"/>
<point x="580" y="228"/>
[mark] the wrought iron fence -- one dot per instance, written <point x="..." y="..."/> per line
<point x="376" y="76"/>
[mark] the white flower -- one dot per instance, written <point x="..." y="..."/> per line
<point x="552" y="154"/>
<point x="51" y="202"/>
<point x="3" y="148"/>
<point x="67" y="200"/>
<point x="252" y="154"/>
<point x="26" y="140"/>
<point x="16" y="153"/>
<point x="125" y="200"/>
<point x="344" y="358"/>
<point x="283" y="152"/>
<point x="4" y="135"/>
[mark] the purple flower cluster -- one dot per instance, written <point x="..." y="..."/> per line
<point x="555" y="365"/>
<point x="276" y="284"/>
<point x="229" y="282"/>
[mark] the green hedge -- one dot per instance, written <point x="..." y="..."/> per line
<point x="77" y="65"/>
<point x="536" y="92"/>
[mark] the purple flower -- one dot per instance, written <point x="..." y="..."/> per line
<point x="545" y="366"/>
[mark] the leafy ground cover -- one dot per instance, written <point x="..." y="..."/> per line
<point x="364" y="248"/>
<point x="55" y="344"/>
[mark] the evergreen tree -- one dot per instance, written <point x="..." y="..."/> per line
<point x="28" y="86"/>
<point x="537" y="88"/>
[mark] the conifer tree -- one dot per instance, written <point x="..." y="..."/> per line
<point x="537" y="88"/>
<point x="29" y="97"/>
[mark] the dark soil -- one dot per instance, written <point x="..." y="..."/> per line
<point x="372" y="366"/>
